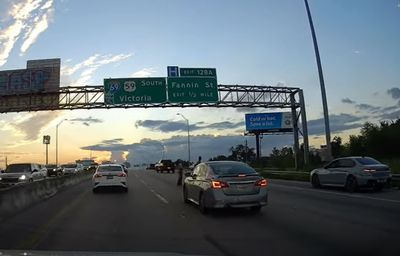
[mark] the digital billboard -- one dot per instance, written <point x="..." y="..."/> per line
<point x="269" y="122"/>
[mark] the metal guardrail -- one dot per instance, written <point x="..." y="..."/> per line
<point x="396" y="177"/>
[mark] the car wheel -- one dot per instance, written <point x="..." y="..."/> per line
<point x="255" y="208"/>
<point x="203" y="209"/>
<point x="351" y="184"/>
<point x="95" y="191"/>
<point x="185" y="195"/>
<point x="30" y="180"/>
<point x="315" y="181"/>
<point x="125" y="190"/>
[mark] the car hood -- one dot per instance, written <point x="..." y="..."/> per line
<point x="62" y="253"/>
<point x="14" y="175"/>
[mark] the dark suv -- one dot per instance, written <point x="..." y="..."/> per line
<point x="54" y="170"/>
<point x="165" y="166"/>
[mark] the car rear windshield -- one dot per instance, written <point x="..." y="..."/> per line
<point x="367" y="161"/>
<point x="109" y="169"/>
<point x="225" y="169"/>
<point x="17" y="168"/>
<point x="69" y="166"/>
<point x="166" y="161"/>
<point x="51" y="166"/>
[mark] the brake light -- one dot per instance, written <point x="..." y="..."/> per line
<point x="98" y="175"/>
<point x="262" y="183"/>
<point x="219" y="184"/>
<point x="369" y="170"/>
<point x="122" y="174"/>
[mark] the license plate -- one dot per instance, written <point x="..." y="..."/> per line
<point x="241" y="187"/>
<point x="109" y="177"/>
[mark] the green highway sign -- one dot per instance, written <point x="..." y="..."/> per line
<point x="135" y="90"/>
<point x="192" y="89"/>
<point x="208" y="72"/>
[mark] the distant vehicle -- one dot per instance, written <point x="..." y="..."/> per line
<point x="23" y="172"/>
<point x="221" y="184"/>
<point x="352" y="173"/>
<point x="151" y="167"/>
<point x="86" y="163"/>
<point x="165" y="166"/>
<point x="69" y="169"/>
<point x="110" y="175"/>
<point x="54" y="170"/>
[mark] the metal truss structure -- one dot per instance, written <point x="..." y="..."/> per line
<point x="234" y="96"/>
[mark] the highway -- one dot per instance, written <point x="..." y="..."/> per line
<point x="152" y="217"/>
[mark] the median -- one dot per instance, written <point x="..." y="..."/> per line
<point x="21" y="196"/>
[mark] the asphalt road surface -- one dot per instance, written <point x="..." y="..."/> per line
<point x="152" y="217"/>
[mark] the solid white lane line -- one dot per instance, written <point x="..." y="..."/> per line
<point x="340" y="194"/>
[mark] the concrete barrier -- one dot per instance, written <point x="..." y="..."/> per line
<point x="22" y="196"/>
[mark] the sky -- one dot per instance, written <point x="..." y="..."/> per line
<point x="248" y="42"/>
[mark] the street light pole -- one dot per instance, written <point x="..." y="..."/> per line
<point x="322" y="83"/>
<point x="57" y="139"/>
<point x="188" y="136"/>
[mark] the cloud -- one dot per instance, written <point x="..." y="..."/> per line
<point x="86" y="120"/>
<point x="174" y="126"/>
<point x="81" y="73"/>
<point x="145" y="72"/>
<point x="368" y="108"/>
<point x="356" y="51"/>
<point x="394" y="93"/>
<point x="31" y="126"/>
<point x="348" y="101"/>
<point x="391" y="115"/>
<point x="175" y="147"/>
<point x="338" y="123"/>
<point x="41" y="24"/>
<point x="112" y="141"/>
<point x="27" y="20"/>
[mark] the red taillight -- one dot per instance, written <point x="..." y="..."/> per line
<point x="122" y="174"/>
<point x="262" y="183"/>
<point x="96" y="175"/>
<point x="219" y="184"/>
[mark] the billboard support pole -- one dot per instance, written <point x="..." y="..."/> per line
<point x="258" y="145"/>
<point x="295" y="132"/>
<point x="304" y="128"/>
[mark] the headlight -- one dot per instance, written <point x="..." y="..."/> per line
<point x="23" y="177"/>
<point x="1" y="178"/>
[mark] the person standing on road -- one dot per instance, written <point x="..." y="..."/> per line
<point x="180" y="174"/>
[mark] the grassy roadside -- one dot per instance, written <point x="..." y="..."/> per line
<point x="286" y="176"/>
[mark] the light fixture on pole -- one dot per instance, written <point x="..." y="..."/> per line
<point x="57" y="139"/>
<point x="322" y="83"/>
<point x="188" y="136"/>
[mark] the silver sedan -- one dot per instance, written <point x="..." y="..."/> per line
<point x="220" y="184"/>
<point x="352" y="173"/>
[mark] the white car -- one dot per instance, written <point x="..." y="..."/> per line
<point x="110" y="175"/>
<point x="69" y="169"/>
<point x="24" y="172"/>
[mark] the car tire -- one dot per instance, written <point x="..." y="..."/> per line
<point x="351" y="184"/>
<point x="30" y="180"/>
<point x="95" y="191"/>
<point x="125" y="190"/>
<point x="203" y="209"/>
<point x="315" y="181"/>
<point x="185" y="195"/>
